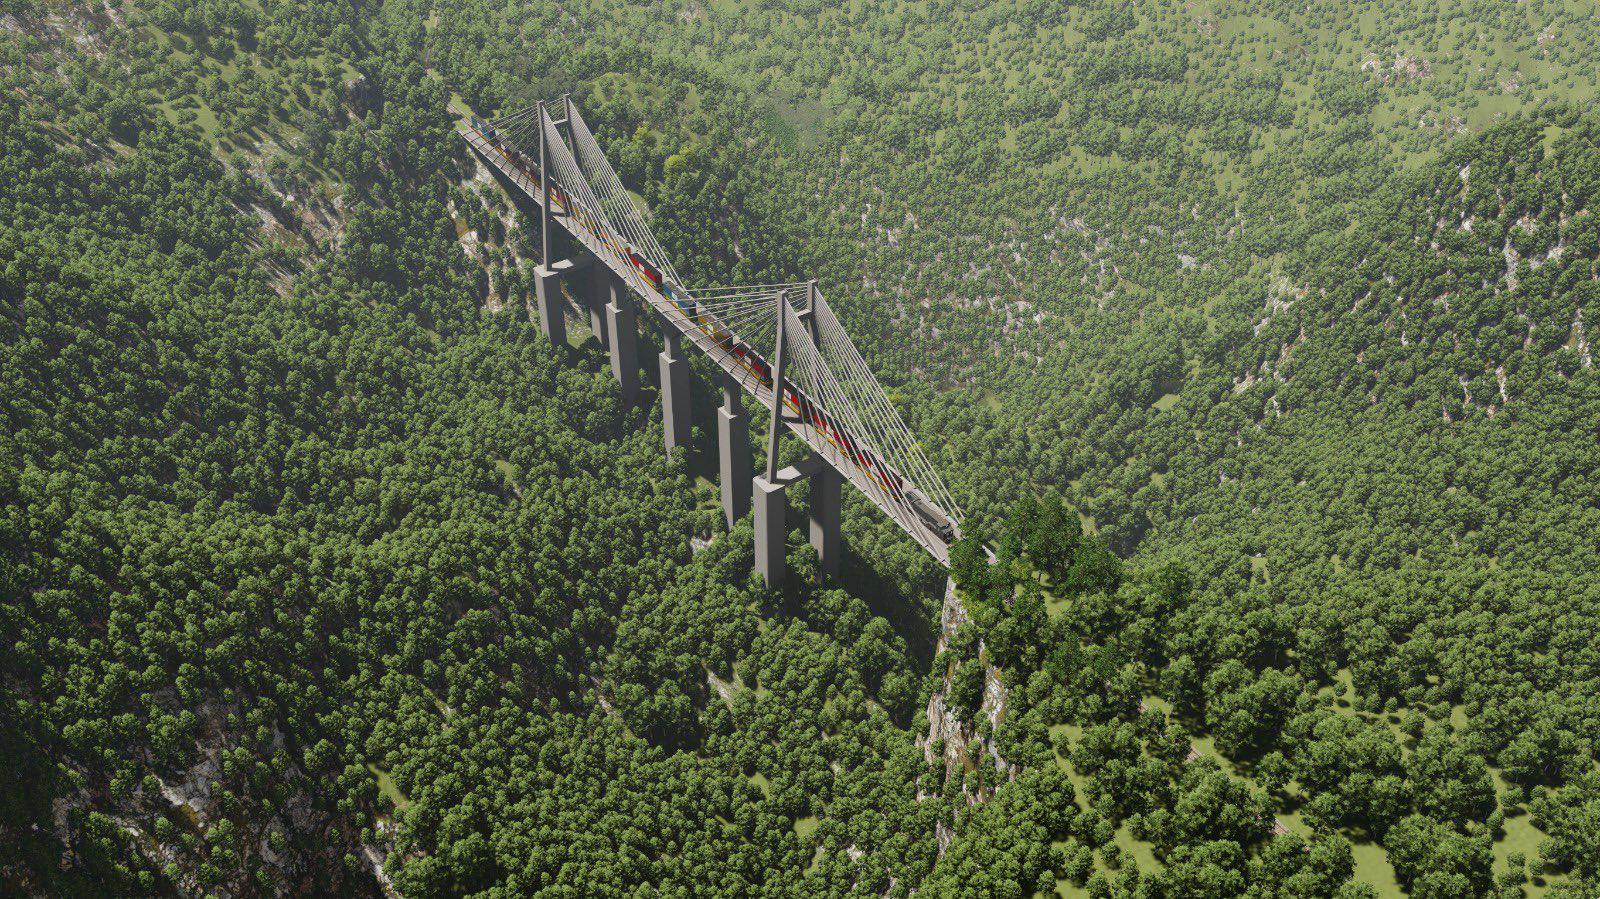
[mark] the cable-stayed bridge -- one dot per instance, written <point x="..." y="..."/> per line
<point x="781" y="343"/>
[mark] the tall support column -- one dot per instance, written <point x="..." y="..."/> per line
<point x="777" y="393"/>
<point x="809" y="317"/>
<point x="733" y="444"/>
<point x="597" y="292"/>
<point x="566" y="123"/>
<point x="547" y="290"/>
<point x="827" y="484"/>
<point x="769" y="490"/>
<point x="675" y="419"/>
<point x="623" y="328"/>
<point x="770" y="530"/>
<point x="826" y="500"/>
<point x="547" y="279"/>
<point x="544" y="187"/>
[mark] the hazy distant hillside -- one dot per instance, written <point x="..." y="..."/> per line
<point x="1440" y="347"/>
<point x="318" y="573"/>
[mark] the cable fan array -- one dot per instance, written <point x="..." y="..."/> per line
<point x="827" y="385"/>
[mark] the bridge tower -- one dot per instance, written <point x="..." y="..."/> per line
<point x="548" y="275"/>
<point x="770" y="490"/>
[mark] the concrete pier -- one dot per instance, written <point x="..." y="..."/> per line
<point x="596" y="294"/>
<point x="675" y="420"/>
<point x="547" y="296"/>
<point x="547" y="291"/>
<point x="826" y="503"/>
<point x="623" y="327"/>
<point x="770" y="530"/>
<point x="733" y="450"/>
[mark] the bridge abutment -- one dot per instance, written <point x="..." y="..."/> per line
<point x="733" y="446"/>
<point x="675" y="421"/>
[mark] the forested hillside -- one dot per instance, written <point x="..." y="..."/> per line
<point x="1255" y="339"/>
<point x="299" y="538"/>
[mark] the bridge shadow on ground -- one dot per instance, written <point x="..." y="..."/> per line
<point x="906" y="611"/>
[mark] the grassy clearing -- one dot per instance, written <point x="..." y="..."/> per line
<point x="1373" y="867"/>
<point x="388" y="789"/>
<point x="508" y="473"/>
<point x="798" y="123"/>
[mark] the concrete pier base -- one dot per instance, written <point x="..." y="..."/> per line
<point x="675" y="421"/>
<point x="826" y="502"/>
<point x="770" y="530"/>
<point x="733" y="450"/>
<point x="622" y="326"/>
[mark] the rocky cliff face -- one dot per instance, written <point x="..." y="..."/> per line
<point x="960" y="743"/>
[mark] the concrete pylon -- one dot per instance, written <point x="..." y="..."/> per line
<point x="770" y="529"/>
<point x="733" y="450"/>
<point x="622" y="325"/>
<point x="596" y="294"/>
<point x="826" y="501"/>
<point x="547" y="293"/>
<point x="675" y="420"/>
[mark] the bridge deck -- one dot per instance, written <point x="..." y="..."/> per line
<point x="609" y="254"/>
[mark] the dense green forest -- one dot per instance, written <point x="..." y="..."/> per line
<point x="1252" y="338"/>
